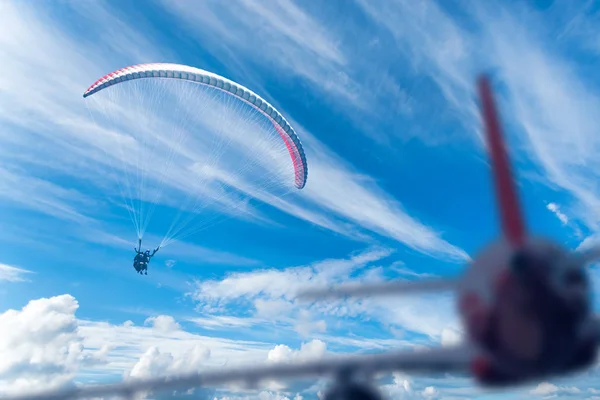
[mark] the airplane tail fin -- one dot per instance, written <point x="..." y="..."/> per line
<point x="511" y="218"/>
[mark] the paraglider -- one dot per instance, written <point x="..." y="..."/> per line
<point x="142" y="259"/>
<point x="192" y="143"/>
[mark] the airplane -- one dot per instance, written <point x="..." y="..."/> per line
<point x="524" y="301"/>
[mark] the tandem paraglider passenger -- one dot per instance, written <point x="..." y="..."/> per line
<point x="141" y="260"/>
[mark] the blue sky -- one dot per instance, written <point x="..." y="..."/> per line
<point x="381" y="94"/>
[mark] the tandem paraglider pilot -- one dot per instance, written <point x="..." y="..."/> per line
<point x="141" y="260"/>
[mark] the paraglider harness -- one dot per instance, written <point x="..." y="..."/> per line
<point x="141" y="260"/>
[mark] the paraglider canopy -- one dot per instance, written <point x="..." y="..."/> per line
<point x="184" y="72"/>
<point x="185" y="137"/>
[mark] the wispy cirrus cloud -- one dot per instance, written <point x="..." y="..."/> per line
<point x="58" y="122"/>
<point x="555" y="108"/>
<point x="304" y="46"/>
<point x="553" y="207"/>
<point x="10" y="273"/>
<point x="551" y="104"/>
<point x="435" y="45"/>
<point x="354" y="196"/>
<point x="343" y="200"/>
<point x="389" y="95"/>
<point x="22" y="190"/>
<point x="270" y="297"/>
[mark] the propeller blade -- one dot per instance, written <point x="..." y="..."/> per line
<point x="378" y="289"/>
<point x="508" y="203"/>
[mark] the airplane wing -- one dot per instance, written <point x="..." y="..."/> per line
<point x="450" y="359"/>
<point x="379" y="289"/>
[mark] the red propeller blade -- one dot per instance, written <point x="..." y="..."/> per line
<point x="510" y="212"/>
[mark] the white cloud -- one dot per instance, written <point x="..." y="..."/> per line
<point x="25" y="191"/>
<point x="434" y="45"/>
<point x="41" y="347"/>
<point x="549" y="100"/>
<point x="304" y="46"/>
<point x="315" y="349"/>
<point x="551" y="105"/>
<point x="46" y="346"/>
<point x="272" y="308"/>
<point x="225" y="321"/>
<point x="451" y="337"/>
<point x="408" y="388"/>
<point x="308" y="325"/>
<point x="283" y="284"/>
<point x="427" y="314"/>
<point x="9" y="273"/>
<point x="153" y="364"/>
<point x="337" y="197"/>
<point x="163" y="323"/>
<point x="556" y="210"/>
<point x="429" y="392"/>
<point x="73" y="348"/>
<point x="263" y="395"/>
<point x="554" y="106"/>
<point x="358" y="198"/>
<point x="547" y="388"/>
<point x="301" y="44"/>
<point x="132" y="341"/>
<point x="544" y="388"/>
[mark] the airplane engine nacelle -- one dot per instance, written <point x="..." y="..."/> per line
<point x="352" y="391"/>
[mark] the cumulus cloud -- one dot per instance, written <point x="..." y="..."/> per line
<point x="400" y="387"/>
<point x="41" y="347"/>
<point x="404" y="387"/>
<point x="544" y="388"/>
<point x="264" y="395"/>
<point x="314" y="349"/>
<point x="451" y="336"/>
<point x="45" y="346"/>
<point x="163" y="323"/>
<point x="154" y="363"/>
<point x="547" y="388"/>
